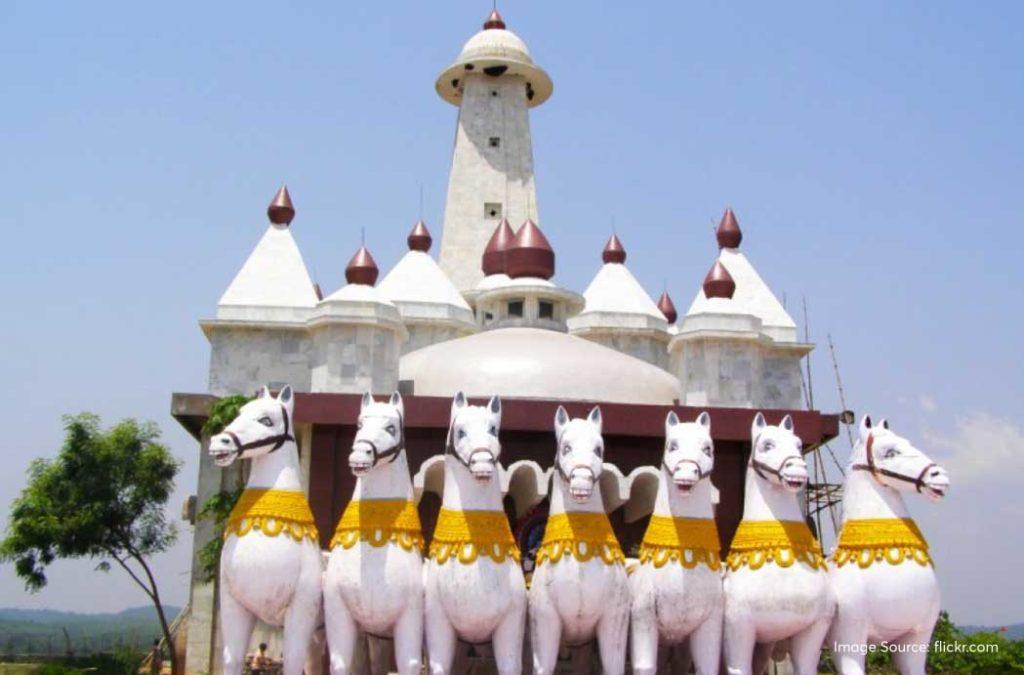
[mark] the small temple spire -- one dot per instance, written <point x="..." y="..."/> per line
<point x="494" y="21"/>
<point x="530" y="254"/>
<point x="728" y="232"/>
<point x="362" y="268"/>
<point x="666" y="306"/>
<point x="613" y="251"/>
<point x="281" y="211"/>
<point x="419" y="238"/>
<point x="719" y="283"/>
<point x="493" y="261"/>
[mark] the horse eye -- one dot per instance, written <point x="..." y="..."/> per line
<point x="599" y="451"/>
<point x="673" y="447"/>
<point x="891" y="452"/>
<point x="265" y="421"/>
<point x="768" y="445"/>
<point x="462" y="433"/>
<point x="493" y="430"/>
<point x="359" y="424"/>
<point x="565" y="449"/>
<point x="391" y="429"/>
<point x="707" y="450"/>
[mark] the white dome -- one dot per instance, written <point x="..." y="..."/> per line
<point x="495" y="44"/>
<point x="536" y="363"/>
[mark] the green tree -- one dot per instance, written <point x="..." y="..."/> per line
<point x="103" y="497"/>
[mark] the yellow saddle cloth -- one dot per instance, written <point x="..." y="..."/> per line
<point x="465" y="535"/>
<point x="782" y="542"/>
<point x="687" y="541"/>
<point x="272" y="512"/>
<point x="377" y="522"/>
<point x="581" y="535"/>
<point x="872" y="540"/>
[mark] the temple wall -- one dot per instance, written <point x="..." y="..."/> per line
<point x="354" y="358"/>
<point x="424" y="334"/>
<point x="643" y="347"/>
<point x="244" y="359"/>
<point x="739" y="374"/>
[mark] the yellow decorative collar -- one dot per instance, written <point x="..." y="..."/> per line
<point x="582" y="535"/>
<point x="872" y="540"/>
<point x="377" y="522"/>
<point x="272" y="512"/>
<point x="688" y="541"/>
<point x="782" y="542"/>
<point x="464" y="535"/>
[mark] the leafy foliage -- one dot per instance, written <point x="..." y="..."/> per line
<point x="217" y="508"/>
<point x="103" y="496"/>
<point x="222" y="412"/>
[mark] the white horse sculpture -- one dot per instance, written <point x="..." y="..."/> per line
<point x="374" y="578"/>
<point x="474" y="587"/>
<point x="270" y="566"/>
<point x="677" y="589"/>
<point x="776" y="587"/>
<point x="881" y="572"/>
<point x="579" y="589"/>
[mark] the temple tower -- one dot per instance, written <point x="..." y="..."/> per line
<point x="494" y="82"/>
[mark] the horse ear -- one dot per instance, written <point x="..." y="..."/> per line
<point x="367" y="400"/>
<point x="495" y="405"/>
<point x="561" y="419"/>
<point x="704" y="419"/>
<point x="286" y="397"/>
<point x="264" y="392"/>
<point x="787" y="423"/>
<point x="884" y="424"/>
<point x="758" y="425"/>
<point x="396" y="400"/>
<point x="595" y="418"/>
<point x="671" y="420"/>
<point x="865" y="427"/>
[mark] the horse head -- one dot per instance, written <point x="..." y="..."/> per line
<point x="579" y="454"/>
<point x="894" y="462"/>
<point x="473" y="436"/>
<point x="689" y="453"/>
<point x="776" y="454"/>
<point x="263" y="425"/>
<point x="380" y="434"/>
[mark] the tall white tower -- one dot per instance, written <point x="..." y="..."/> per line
<point x="495" y="83"/>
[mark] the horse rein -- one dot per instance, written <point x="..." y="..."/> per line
<point x="391" y="454"/>
<point x="558" y="465"/>
<point x="449" y="449"/>
<point x="759" y="467"/>
<point x="701" y="475"/>
<point x="278" y="439"/>
<point x="876" y="471"/>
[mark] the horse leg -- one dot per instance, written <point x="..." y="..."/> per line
<point x="613" y="634"/>
<point x="706" y="644"/>
<point x="440" y="633"/>
<point x="762" y="657"/>
<point x="341" y="633"/>
<point x="545" y="629"/>
<point x="236" y="624"/>
<point x="303" y="614"/>
<point x="805" y="646"/>
<point x="644" y="629"/>
<point x="738" y="640"/>
<point x="409" y="638"/>
<point x="910" y="659"/>
<point x="848" y="640"/>
<point x="508" y="638"/>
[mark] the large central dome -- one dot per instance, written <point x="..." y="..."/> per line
<point x="536" y="363"/>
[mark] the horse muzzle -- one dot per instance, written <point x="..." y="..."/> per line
<point x="482" y="465"/>
<point x="581" y="484"/>
<point x="360" y="460"/>
<point x="936" y="484"/>
<point x="794" y="475"/>
<point x="222" y="450"/>
<point x="685" y="478"/>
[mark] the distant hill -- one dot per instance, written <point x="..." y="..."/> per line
<point x="41" y="631"/>
<point x="1014" y="631"/>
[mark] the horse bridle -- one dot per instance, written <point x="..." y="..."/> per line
<point x="558" y="465"/>
<point x="449" y="449"/>
<point x="391" y="454"/>
<point x="278" y="439"/>
<point x="701" y="475"/>
<point x="876" y="471"/>
<point x="759" y="467"/>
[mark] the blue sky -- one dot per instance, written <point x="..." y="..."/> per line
<point x="872" y="152"/>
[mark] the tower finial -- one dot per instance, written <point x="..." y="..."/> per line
<point x="281" y="211"/>
<point x="494" y="20"/>
<point x="613" y="251"/>
<point x="362" y="268"/>
<point x="719" y="283"/>
<point x="728" y="233"/>
<point x="667" y="307"/>
<point x="419" y="238"/>
<point x="530" y="254"/>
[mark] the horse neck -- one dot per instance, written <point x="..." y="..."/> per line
<point x="761" y="501"/>
<point x="669" y="503"/>
<point x="386" y="481"/>
<point x="562" y="502"/>
<point x="462" y="492"/>
<point x="278" y="470"/>
<point x="865" y="497"/>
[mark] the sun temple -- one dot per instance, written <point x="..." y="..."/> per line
<point x="488" y="317"/>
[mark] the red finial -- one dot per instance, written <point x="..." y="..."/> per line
<point x="419" y="238"/>
<point x="613" y="251"/>
<point x="281" y="210"/>
<point x="530" y="254"/>
<point x="493" y="261"/>
<point x="718" y="283"/>
<point x="494" y="20"/>
<point x="728" y="232"/>
<point x="667" y="308"/>
<point x="362" y="268"/>
<point x="319" y="293"/>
